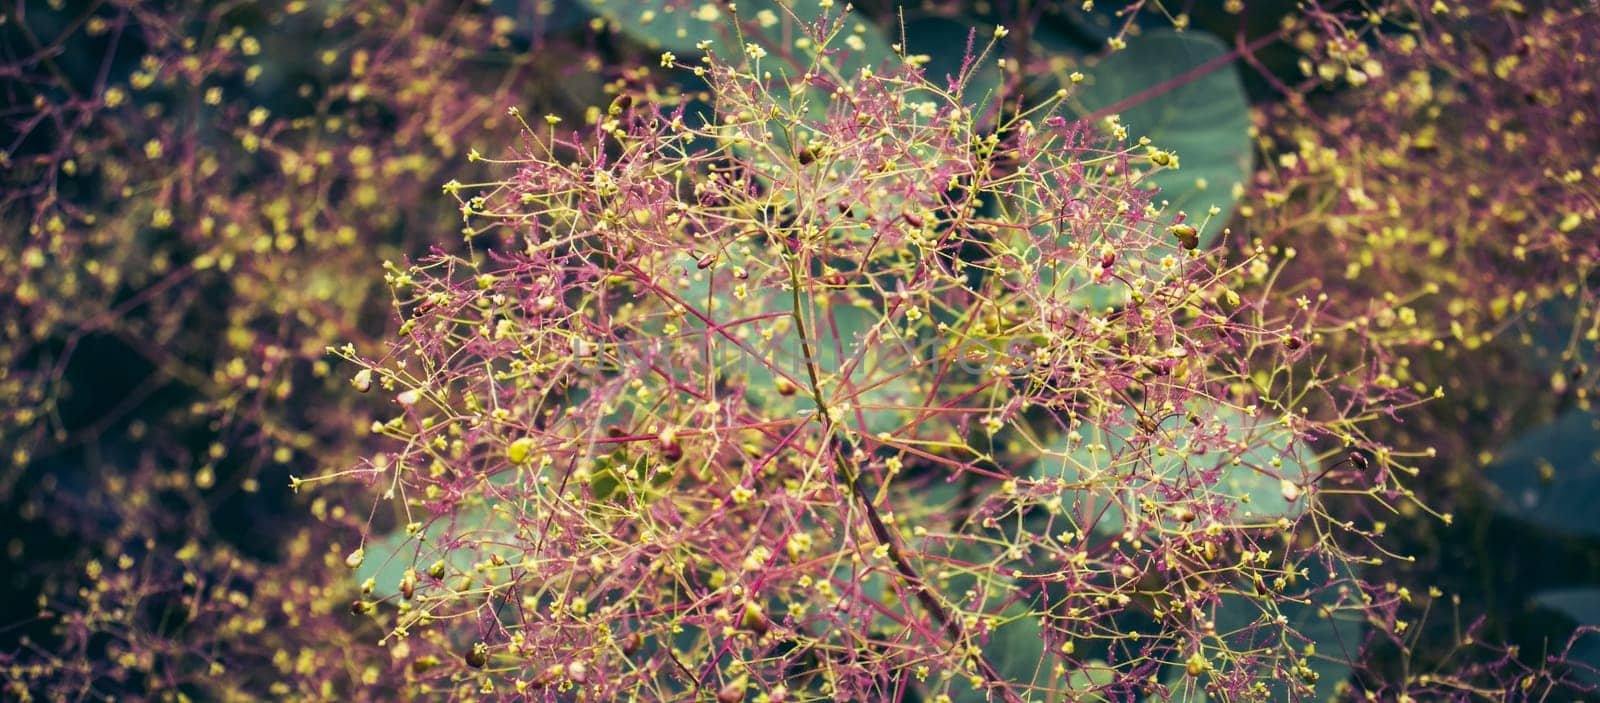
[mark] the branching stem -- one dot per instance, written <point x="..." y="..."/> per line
<point x="839" y="446"/>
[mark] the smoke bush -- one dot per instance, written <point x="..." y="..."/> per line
<point x="818" y="394"/>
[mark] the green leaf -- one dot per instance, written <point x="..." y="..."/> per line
<point x="1580" y="604"/>
<point x="843" y="336"/>
<point x="1016" y="650"/>
<point x="1583" y="606"/>
<point x="1204" y="119"/>
<point x="673" y="25"/>
<point x="1333" y="628"/>
<point x="1550" y="476"/>
<point x="1105" y="493"/>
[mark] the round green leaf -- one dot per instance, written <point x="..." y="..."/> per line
<point x="1323" y="622"/>
<point x="1203" y="118"/>
<point x="1263" y="467"/>
<point x="1550" y="476"/>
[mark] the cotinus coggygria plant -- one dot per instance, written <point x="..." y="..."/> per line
<point x="839" y="382"/>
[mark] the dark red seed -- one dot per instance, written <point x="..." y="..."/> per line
<point x="478" y="655"/>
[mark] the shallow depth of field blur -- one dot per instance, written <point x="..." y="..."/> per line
<point x="664" y="350"/>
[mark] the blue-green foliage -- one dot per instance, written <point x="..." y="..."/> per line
<point x="1582" y="605"/>
<point x="1204" y="119"/>
<point x="1250" y="481"/>
<point x="1550" y="476"/>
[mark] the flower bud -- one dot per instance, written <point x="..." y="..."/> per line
<point x="733" y="692"/>
<point x="754" y="619"/>
<point x="520" y="451"/>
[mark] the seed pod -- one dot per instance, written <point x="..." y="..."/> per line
<point x="631" y="644"/>
<point x="667" y="442"/>
<point x="362" y="381"/>
<point x="1290" y="490"/>
<point x="1196" y="665"/>
<point x="1147" y="424"/>
<point x="911" y="218"/>
<point x="437" y="569"/>
<point x="1293" y="343"/>
<point x="408" y="584"/>
<point x="754" y="619"/>
<point x="620" y="105"/>
<point x="784" y="386"/>
<point x="355" y="558"/>
<point x="478" y="655"/>
<point x="360" y="607"/>
<point x="1359" y="460"/>
<point x="806" y="156"/>
<point x="1187" y="236"/>
<point x="733" y="692"/>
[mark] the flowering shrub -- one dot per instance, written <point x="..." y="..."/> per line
<point x="812" y="367"/>
<point x="819" y="395"/>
